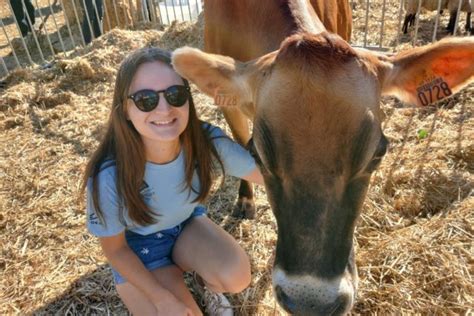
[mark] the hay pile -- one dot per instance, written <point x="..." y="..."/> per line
<point x="414" y="238"/>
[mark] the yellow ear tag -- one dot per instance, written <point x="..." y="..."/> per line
<point x="432" y="89"/>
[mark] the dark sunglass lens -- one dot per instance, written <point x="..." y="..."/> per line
<point x="146" y="100"/>
<point x="176" y="95"/>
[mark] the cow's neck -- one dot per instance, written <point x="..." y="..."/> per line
<point x="258" y="27"/>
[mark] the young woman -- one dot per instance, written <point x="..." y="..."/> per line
<point x="144" y="184"/>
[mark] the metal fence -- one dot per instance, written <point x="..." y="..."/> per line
<point x="35" y="31"/>
<point x="415" y="22"/>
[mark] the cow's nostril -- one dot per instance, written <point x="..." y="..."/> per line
<point x="285" y="300"/>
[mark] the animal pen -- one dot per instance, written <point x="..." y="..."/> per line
<point x="414" y="239"/>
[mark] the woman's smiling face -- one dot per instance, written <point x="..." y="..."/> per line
<point x="165" y="123"/>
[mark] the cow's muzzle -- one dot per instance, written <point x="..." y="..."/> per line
<point x="309" y="295"/>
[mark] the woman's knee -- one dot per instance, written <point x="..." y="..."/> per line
<point x="235" y="276"/>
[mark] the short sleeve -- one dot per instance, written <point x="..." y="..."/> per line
<point x="237" y="160"/>
<point x="109" y="205"/>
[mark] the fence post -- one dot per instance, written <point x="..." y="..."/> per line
<point x="40" y="50"/>
<point x="458" y="13"/>
<point x="43" y="23"/>
<point x="189" y="10"/>
<point x="11" y="46"/>
<point x="97" y="17"/>
<point x="174" y="10"/>
<point x="417" y="23"/>
<point x="181" y="8"/>
<point x="57" y="28"/>
<point x="66" y="18"/>
<point x="86" y="15"/>
<point x="78" y="23"/>
<point x="4" y="66"/>
<point x="436" y="21"/>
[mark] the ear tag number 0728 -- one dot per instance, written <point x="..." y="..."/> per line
<point x="433" y="91"/>
<point x="223" y="98"/>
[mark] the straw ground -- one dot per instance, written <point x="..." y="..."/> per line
<point x="414" y="239"/>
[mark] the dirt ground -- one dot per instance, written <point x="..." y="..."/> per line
<point x="414" y="239"/>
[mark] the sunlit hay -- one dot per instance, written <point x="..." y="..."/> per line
<point x="11" y="98"/>
<point x="413" y="241"/>
<point x="424" y="267"/>
<point x="81" y="68"/>
<point x="49" y="101"/>
<point x="19" y="75"/>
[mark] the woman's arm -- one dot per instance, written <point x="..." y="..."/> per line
<point x="124" y="260"/>
<point x="255" y="176"/>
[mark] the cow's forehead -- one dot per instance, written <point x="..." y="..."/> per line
<point x="295" y="91"/>
<point x="319" y="70"/>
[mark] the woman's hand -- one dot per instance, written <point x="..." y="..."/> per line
<point x="172" y="307"/>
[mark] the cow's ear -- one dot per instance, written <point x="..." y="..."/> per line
<point x="425" y="75"/>
<point x="215" y="75"/>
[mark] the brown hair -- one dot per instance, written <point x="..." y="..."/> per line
<point x="123" y="144"/>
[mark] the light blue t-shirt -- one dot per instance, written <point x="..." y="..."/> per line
<point x="163" y="190"/>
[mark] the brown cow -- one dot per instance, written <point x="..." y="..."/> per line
<point x="317" y="137"/>
<point x="252" y="29"/>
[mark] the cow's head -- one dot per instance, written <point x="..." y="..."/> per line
<point x="318" y="138"/>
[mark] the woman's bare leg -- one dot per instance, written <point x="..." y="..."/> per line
<point x="209" y="250"/>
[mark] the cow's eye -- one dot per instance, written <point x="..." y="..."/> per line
<point x="379" y="153"/>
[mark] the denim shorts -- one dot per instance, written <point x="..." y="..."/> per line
<point x="154" y="250"/>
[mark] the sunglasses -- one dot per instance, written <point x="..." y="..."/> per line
<point x="147" y="100"/>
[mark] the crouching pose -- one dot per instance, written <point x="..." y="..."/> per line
<point x="145" y="183"/>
